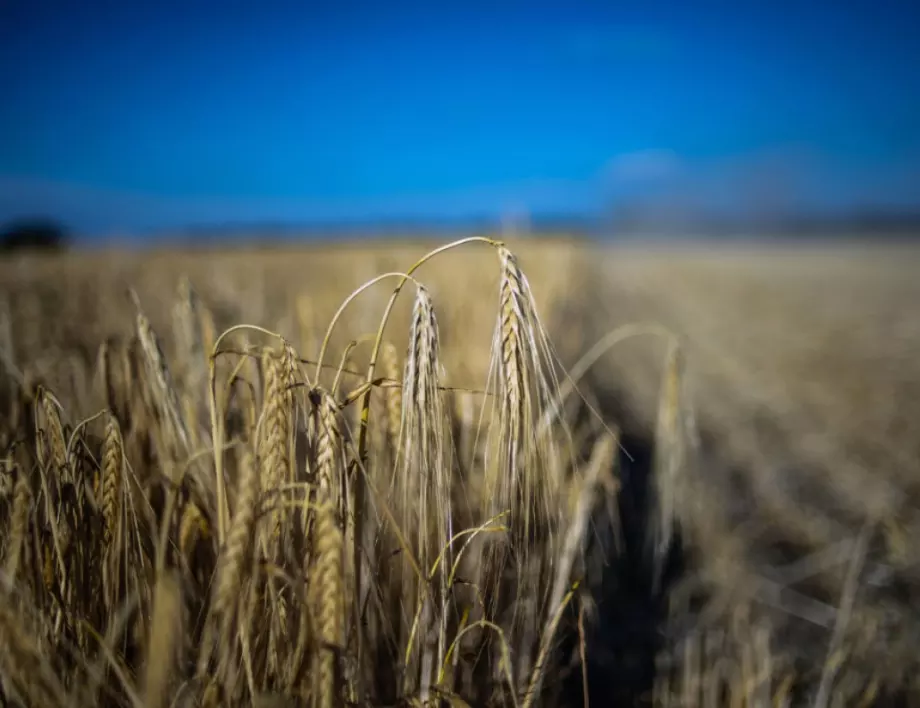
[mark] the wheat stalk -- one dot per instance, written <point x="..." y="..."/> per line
<point x="327" y="435"/>
<point x="669" y="462"/>
<point x="236" y="555"/>
<point x="165" y="397"/>
<point x="112" y="473"/>
<point x="424" y="478"/>
<point x="327" y="603"/>
<point x="274" y="441"/>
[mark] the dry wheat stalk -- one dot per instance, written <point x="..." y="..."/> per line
<point x="290" y="370"/>
<point x="274" y="441"/>
<point x="274" y="455"/>
<point x="112" y="474"/>
<point x="522" y="470"/>
<point x="327" y="603"/>
<point x="235" y="560"/>
<point x="164" y="393"/>
<point x="192" y="526"/>
<point x="327" y="442"/>
<point x="523" y="479"/>
<point x="670" y="459"/>
<point x="424" y="478"/>
<point x="107" y="378"/>
<point x="334" y="487"/>
<point x="54" y="432"/>
<point x="187" y="319"/>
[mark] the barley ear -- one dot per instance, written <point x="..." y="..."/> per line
<point x="327" y="603"/>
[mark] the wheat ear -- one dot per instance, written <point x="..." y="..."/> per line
<point x="235" y="558"/>
<point x="327" y="602"/>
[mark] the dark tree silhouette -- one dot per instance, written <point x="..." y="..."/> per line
<point x="33" y="234"/>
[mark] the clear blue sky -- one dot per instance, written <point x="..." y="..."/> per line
<point x="135" y="114"/>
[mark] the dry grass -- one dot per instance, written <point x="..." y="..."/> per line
<point x="293" y="486"/>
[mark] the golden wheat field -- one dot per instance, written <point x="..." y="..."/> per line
<point x="533" y="473"/>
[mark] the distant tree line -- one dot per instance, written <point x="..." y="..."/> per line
<point x="33" y="235"/>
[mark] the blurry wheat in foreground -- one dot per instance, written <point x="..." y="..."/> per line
<point x="257" y="522"/>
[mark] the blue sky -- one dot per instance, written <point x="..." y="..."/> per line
<point x="130" y="116"/>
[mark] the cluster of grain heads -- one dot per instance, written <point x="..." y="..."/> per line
<point x="239" y="530"/>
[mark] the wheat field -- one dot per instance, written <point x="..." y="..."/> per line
<point x="541" y="472"/>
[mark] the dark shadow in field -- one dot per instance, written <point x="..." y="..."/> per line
<point x="627" y="629"/>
